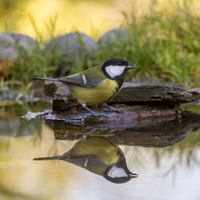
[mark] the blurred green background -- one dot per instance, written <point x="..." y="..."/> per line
<point x="164" y="42"/>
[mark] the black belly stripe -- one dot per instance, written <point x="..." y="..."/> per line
<point x="116" y="90"/>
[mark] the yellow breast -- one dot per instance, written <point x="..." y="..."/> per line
<point x="95" y="95"/>
<point x="98" y="147"/>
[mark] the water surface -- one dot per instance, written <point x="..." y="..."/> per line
<point x="165" y="155"/>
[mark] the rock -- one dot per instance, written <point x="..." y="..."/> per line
<point x="164" y="94"/>
<point x="51" y="88"/>
<point x="63" y="102"/>
<point x="12" y="43"/>
<point x="146" y="130"/>
<point x="111" y="36"/>
<point x="161" y="93"/>
<point x="72" y="45"/>
<point x="62" y="98"/>
<point x="113" y="119"/>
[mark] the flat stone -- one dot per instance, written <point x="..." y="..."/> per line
<point x="161" y="93"/>
<point x="164" y="94"/>
<point x="78" y="121"/>
<point x="129" y="113"/>
<point x="161" y="129"/>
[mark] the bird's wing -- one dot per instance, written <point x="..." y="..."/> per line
<point x="88" y="78"/>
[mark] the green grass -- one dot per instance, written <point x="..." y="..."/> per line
<point x="164" y="45"/>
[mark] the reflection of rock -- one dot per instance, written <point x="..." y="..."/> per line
<point x="136" y="132"/>
<point x="19" y="127"/>
<point x="160" y="134"/>
<point x="72" y="45"/>
<point x="10" y="97"/>
<point x="12" y="43"/>
<point x="7" y="94"/>
<point x="135" y="93"/>
<point x="100" y="156"/>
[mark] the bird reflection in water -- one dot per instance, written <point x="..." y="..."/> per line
<point x="100" y="156"/>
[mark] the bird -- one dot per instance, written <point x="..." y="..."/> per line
<point x="96" y="85"/>
<point x="98" y="155"/>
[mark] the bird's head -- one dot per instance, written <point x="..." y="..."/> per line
<point x="118" y="172"/>
<point x="116" y="67"/>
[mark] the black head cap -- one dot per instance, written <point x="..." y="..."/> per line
<point x="116" y="69"/>
<point x="119" y="172"/>
<point x="115" y="61"/>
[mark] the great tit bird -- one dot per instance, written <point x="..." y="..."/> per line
<point x="97" y="84"/>
<point x="100" y="156"/>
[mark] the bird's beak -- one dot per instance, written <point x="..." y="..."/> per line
<point x="131" y="66"/>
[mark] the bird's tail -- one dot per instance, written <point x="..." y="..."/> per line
<point x="48" y="158"/>
<point x="47" y="79"/>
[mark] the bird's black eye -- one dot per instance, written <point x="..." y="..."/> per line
<point x="120" y="64"/>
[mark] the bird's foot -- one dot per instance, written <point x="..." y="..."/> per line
<point x="113" y="109"/>
<point x="94" y="113"/>
<point x="99" y="114"/>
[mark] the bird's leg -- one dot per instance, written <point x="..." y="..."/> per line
<point x="94" y="113"/>
<point x="88" y="133"/>
<point x="112" y="108"/>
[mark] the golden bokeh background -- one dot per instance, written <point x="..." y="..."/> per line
<point x="91" y="17"/>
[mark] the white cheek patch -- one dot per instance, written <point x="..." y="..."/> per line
<point x="116" y="172"/>
<point x="114" y="70"/>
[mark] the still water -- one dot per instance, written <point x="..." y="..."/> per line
<point x="48" y="159"/>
